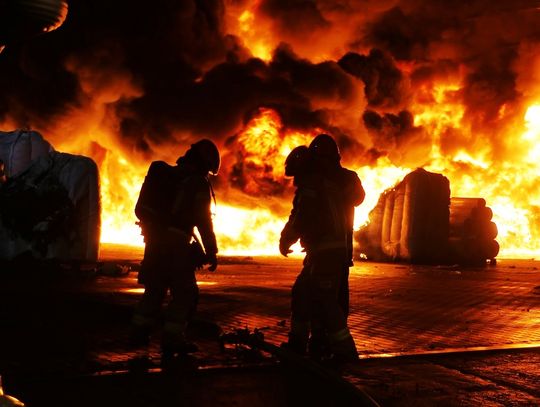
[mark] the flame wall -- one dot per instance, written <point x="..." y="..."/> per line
<point x="451" y="86"/>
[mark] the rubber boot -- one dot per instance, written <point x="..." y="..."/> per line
<point x="342" y="346"/>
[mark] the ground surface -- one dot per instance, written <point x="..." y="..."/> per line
<point x="426" y="335"/>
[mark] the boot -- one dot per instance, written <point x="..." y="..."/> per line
<point x="174" y="340"/>
<point x="343" y="347"/>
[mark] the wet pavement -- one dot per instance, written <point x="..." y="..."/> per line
<point x="426" y="335"/>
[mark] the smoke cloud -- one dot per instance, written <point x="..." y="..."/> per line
<point x="169" y="72"/>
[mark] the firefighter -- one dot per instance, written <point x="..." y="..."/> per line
<point x="172" y="202"/>
<point x="299" y="165"/>
<point x="323" y="217"/>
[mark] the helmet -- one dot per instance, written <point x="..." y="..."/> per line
<point x="208" y="153"/>
<point x="324" y="147"/>
<point x="296" y="160"/>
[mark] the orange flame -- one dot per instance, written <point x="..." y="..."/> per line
<point x="254" y="229"/>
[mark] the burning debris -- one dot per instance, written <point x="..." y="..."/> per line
<point x="49" y="202"/>
<point x="417" y="221"/>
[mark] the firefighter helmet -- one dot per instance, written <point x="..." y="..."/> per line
<point x="324" y="147"/>
<point x="208" y="153"/>
<point x="296" y="160"/>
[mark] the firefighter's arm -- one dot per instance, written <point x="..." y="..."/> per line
<point x="355" y="190"/>
<point x="290" y="233"/>
<point x="203" y="221"/>
<point x="288" y="237"/>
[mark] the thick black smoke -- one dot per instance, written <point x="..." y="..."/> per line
<point x="383" y="80"/>
<point x="293" y="18"/>
<point x="397" y="134"/>
<point x="483" y="37"/>
<point x="186" y="76"/>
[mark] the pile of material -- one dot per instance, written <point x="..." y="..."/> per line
<point x="472" y="233"/>
<point x="410" y="221"/>
<point x="417" y="222"/>
<point x="49" y="201"/>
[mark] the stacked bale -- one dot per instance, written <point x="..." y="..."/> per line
<point x="425" y="224"/>
<point x="50" y="203"/>
<point x="410" y="221"/>
<point x="472" y="231"/>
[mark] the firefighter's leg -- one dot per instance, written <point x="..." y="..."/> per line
<point x="327" y="272"/>
<point x="300" y="314"/>
<point x="318" y="340"/>
<point x="181" y="308"/>
<point x="147" y="312"/>
<point x="343" y="296"/>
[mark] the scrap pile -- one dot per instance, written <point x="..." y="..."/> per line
<point x="416" y="221"/>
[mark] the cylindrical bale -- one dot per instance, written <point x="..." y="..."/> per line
<point x="458" y="202"/>
<point x="425" y="225"/>
<point x="482" y="214"/>
<point x="79" y="175"/>
<point x="461" y="215"/>
<point x="19" y="148"/>
<point x="397" y="217"/>
<point x="488" y="231"/>
<point x="387" y="222"/>
<point x="490" y="249"/>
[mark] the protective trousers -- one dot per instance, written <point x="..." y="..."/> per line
<point x="318" y="300"/>
<point x="166" y="267"/>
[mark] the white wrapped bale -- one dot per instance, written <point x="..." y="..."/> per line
<point x="19" y="148"/>
<point x="397" y="219"/>
<point x="472" y="232"/>
<point x="425" y="221"/>
<point x="52" y="210"/>
<point x="79" y="175"/>
<point x="387" y="223"/>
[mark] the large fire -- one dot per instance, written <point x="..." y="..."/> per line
<point x="430" y="99"/>
<point x="255" y="231"/>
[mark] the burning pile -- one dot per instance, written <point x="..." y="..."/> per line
<point x="472" y="233"/>
<point x="417" y="221"/>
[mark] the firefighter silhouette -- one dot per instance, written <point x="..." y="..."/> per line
<point x="322" y="218"/>
<point x="172" y="202"/>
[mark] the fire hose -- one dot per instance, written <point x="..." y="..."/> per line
<point x="255" y="341"/>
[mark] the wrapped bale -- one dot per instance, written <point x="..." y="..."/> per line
<point x="472" y="232"/>
<point x="52" y="210"/>
<point x="79" y="175"/>
<point x="397" y="219"/>
<point x="386" y="228"/>
<point x="19" y="148"/>
<point x="425" y="221"/>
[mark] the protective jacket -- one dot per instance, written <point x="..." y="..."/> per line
<point x="322" y="216"/>
<point x="174" y="200"/>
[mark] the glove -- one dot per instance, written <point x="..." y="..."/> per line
<point x="212" y="261"/>
<point x="284" y="248"/>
